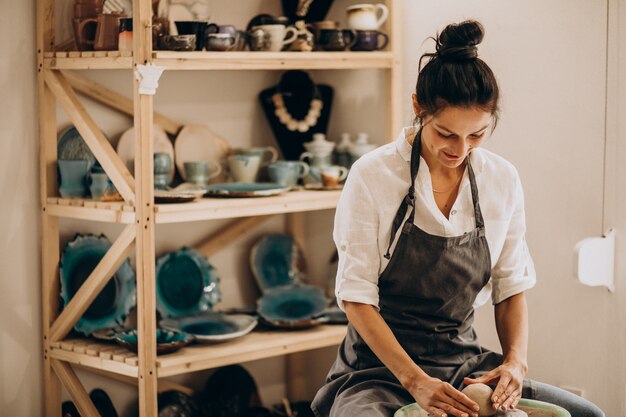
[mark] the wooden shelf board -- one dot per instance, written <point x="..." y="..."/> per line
<point x="172" y="60"/>
<point x="264" y="344"/>
<point x="223" y="208"/>
<point x="78" y="208"/>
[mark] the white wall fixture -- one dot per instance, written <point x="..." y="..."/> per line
<point x="148" y="76"/>
<point x="595" y="261"/>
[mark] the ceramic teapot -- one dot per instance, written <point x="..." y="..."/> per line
<point x="318" y="151"/>
<point x="361" y="146"/>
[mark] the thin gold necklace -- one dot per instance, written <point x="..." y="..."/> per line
<point x="456" y="183"/>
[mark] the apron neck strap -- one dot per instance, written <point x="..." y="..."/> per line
<point x="409" y="199"/>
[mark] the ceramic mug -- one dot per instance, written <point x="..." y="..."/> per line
<point x="287" y="173"/>
<point x="336" y="39"/>
<point x="366" y="16"/>
<point x="278" y="36"/>
<point x="73" y="173"/>
<point x="162" y="167"/>
<point x="193" y="27"/>
<point x="239" y="37"/>
<point x="107" y="29"/>
<point x="370" y="40"/>
<point x="268" y="154"/>
<point x="332" y="175"/>
<point x="317" y="160"/>
<point x="244" y="168"/>
<point x="100" y="185"/>
<point x="201" y="172"/>
<point x="220" y="42"/>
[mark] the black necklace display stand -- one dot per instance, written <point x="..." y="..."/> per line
<point x="297" y="90"/>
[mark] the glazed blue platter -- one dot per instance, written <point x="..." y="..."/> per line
<point x="245" y="189"/>
<point x="212" y="326"/>
<point x="71" y="145"/>
<point x="167" y="340"/>
<point x="276" y="260"/>
<point x="186" y="283"/>
<point x="294" y="305"/>
<point x="111" y="306"/>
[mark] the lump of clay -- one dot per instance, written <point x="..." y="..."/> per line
<point x="481" y="395"/>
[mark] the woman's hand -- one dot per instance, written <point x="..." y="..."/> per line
<point x="508" y="377"/>
<point x="441" y="399"/>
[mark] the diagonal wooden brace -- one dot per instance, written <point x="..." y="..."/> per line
<point x="115" y="100"/>
<point x="74" y="387"/>
<point x="92" y="286"/>
<point x="97" y="142"/>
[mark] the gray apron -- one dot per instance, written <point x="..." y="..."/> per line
<point x="426" y="295"/>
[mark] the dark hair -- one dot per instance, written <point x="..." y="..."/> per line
<point x="454" y="75"/>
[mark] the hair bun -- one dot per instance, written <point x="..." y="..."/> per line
<point x="458" y="41"/>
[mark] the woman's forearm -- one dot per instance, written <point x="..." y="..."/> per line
<point x="372" y="328"/>
<point x="512" y="325"/>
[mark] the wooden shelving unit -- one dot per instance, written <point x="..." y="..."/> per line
<point x="59" y="84"/>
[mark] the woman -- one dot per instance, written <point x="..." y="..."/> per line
<point x="413" y="264"/>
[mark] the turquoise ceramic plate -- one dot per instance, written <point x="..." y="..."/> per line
<point x="186" y="283"/>
<point x="71" y="145"/>
<point x="291" y="303"/>
<point x="275" y="261"/>
<point x="243" y="189"/>
<point x="211" y="326"/>
<point x="539" y="409"/>
<point x="167" y="340"/>
<point x="111" y="306"/>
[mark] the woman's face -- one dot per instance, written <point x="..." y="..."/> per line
<point x="450" y="135"/>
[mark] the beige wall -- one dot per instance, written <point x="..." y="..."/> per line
<point x="549" y="59"/>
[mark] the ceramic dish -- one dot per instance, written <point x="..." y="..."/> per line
<point x="72" y="146"/>
<point x="245" y="189"/>
<point x="291" y="304"/>
<point x="167" y="340"/>
<point x="186" y="283"/>
<point x="335" y="315"/>
<point x="276" y="260"/>
<point x="200" y="143"/>
<point x="211" y="326"/>
<point x="160" y="144"/>
<point x="110" y="307"/>
<point x="180" y="194"/>
<point x="295" y="324"/>
<point x="123" y="6"/>
<point x="534" y="408"/>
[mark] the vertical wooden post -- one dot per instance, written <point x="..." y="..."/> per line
<point x="397" y="101"/>
<point x="50" y="250"/>
<point x="295" y="362"/>
<point x="144" y="194"/>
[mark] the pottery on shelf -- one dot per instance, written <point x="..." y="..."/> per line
<point x="361" y="146"/>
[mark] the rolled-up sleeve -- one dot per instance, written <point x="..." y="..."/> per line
<point x="514" y="271"/>
<point x="356" y="236"/>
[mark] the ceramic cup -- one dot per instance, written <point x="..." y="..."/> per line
<point x="99" y="185"/>
<point x="162" y="168"/>
<point x="220" y="42"/>
<point x="318" y="160"/>
<point x="370" y="40"/>
<point x="268" y="154"/>
<point x="278" y="36"/>
<point x="367" y="16"/>
<point x="336" y="39"/>
<point x="332" y="175"/>
<point x="73" y="174"/>
<point x="287" y="173"/>
<point x="239" y="38"/>
<point x="322" y="25"/>
<point x="244" y="168"/>
<point x="201" y="172"/>
<point x="177" y="42"/>
<point x="193" y="27"/>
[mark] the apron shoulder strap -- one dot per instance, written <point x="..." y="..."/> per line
<point x="409" y="199"/>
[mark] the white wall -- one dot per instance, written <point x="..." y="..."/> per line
<point x="549" y="58"/>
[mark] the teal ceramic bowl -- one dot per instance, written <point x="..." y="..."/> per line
<point x="276" y="260"/>
<point x="539" y="409"/>
<point x="292" y="303"/>
<point x="186" y="283"/>
<point x="111" y="306"/>
<point x="167" y="340"/>
<point x="211" y="326"/>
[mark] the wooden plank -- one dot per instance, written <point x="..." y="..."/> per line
<point x="146" y="303"/>
<point x="74" y="54"/>
<point x="229" y="234"/>
<point x="112" y="215"/>
<point x="254" y="346"/>
<point x="92" y="286"/>
<point x="101" y="54"/>
<point x="215" y="208"/>
<point x="75" y="389"/>
<point x="97" y="142"/>
<point x="271" y="60"/>
<point x="94" y="362"/>
<point x="87" y="54"/>
<point x="164" y="384"/>
<point x="61" y="61"/>
<point x="115" y="100"/>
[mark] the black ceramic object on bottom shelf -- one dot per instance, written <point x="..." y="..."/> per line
<point x="231" y="391"/>
<point x="103" y="403"/>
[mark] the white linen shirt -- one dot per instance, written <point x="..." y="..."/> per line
<point x="376" y="185"/>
